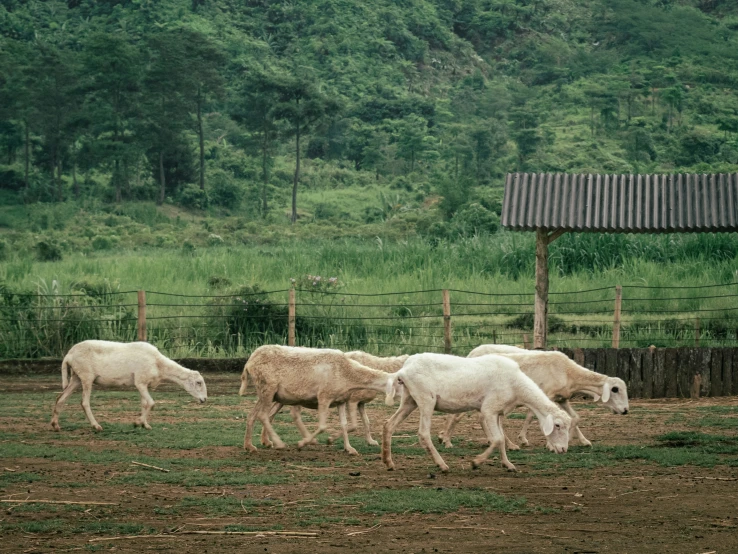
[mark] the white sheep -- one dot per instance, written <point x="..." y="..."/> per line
<point x="490" y="384"/>
<point x="137" y="364"/>
<point x="560" y="378"/>
<point x="309" y="377"/>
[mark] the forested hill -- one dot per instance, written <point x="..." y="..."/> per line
<point x="209" y="104"/>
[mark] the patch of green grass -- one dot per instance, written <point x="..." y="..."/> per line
<point x="7" y="477"/>
<point x="196" y="478"/>
<point x="433" y="501"/>
<point x="717" y="421"/>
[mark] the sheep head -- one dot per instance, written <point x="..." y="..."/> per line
<point x="556" y="427"/>
<point x="615" y="395"/>
<point x="195" y="385"/>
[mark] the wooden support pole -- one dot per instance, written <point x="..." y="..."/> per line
<point x="291" y="319"/>
<point x="697" y="331"/>
<point x="616" y="317"/>
<point x="142" y="315"/>
<point x="446" y="322"/>
<point x="526" y="341"/>
<point x="540" y="323"/>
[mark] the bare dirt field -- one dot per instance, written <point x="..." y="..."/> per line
<point x="662" y="479"/>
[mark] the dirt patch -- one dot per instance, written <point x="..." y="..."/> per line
<point x="606" y="499"/>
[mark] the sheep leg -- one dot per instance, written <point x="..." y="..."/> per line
<point x="323" y="408"/>
<point x="344" y="428"/>
<point x="524" y="430"/>
<point x="496" y="436"/>
<point x="61" y="399"/>
<point x="261" y="410"/>
<point x="272" y="414"/>
<point x="367" y="426"/>
<point x="147" y="403"/>
<point x="296" y="412"/>
<point x="510" y="445"/>
<point x="424" y="433"/>
<point x="574" y="424"/>
<point x="86" y="391"/>
<point x="352" y="423"/>
<point x="407" y="406"/>
<point x="445" y="435"/>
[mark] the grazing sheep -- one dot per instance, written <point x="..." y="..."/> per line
<point x="491" y="384"/>
<point x="560" y="378"/>
<point x="308" y="377"/>
<point x="137" y="364"/>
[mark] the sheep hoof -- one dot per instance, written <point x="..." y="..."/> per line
<point x="147" y="426"/>
<point x="352" y="451"/>
<point x="249" y="447"/>
<point x="444" y="468"/>
<point x="476" y="465"/>
<point x="513" y="446"/>
<point x="55" y="426"/>
<point x="523" y="441"/>
<point x="372" y="442"/>
<point x="97" y="428"/>
<point x="448" y="444"/>
<point x="585" y="442"/>
<point x="511" y="468"/>
<point x="329" y="440"/>
<point x="390" y="467"/>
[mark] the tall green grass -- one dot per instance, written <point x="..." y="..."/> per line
<point x="584" y="272"/>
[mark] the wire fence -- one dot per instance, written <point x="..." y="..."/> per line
<point x="34" y="326"/>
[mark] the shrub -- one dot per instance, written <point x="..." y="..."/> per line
<point x="225" y="190"/>
<point x="101" y="242"/>
<point x="193" y="197"/>
<point x="475" y="219"/>
<point x="48" y="251"/>
<point x="3" y="250"/>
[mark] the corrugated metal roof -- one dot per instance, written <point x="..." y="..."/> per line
<point x="621" y="203"/>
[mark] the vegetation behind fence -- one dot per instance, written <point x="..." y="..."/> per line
<point x="318" y="313"/>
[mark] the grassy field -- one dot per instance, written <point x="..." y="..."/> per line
<point x="663" y="279"/>
<point x="663" y="476"/>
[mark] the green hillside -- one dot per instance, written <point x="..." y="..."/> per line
<point x="406" y="115"/>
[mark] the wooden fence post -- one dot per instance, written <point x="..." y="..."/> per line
<point x="616" y="318"/>
<point x="142" y="315"/>
<point x="697" y="331"/>
<point x="291" y="319"/>
<point x="526" y="341"/>
<point x="446" y="322"/>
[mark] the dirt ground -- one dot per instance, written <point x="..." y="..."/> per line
<point x="627" y="505"/>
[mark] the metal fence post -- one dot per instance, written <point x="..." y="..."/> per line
<point x="142" y="315"/>
<point x="616" y="317"/>
<point x="446" y="322"/>
<point x="291" y="319"/>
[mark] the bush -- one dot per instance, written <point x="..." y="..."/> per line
<point x="3" y="250"/>
<point x="193" y="197"/>
<point x="48" y="251"/>
<point x="475" y="219"/>
<point x="224" y="189"/>
<point x="101" y="242"/>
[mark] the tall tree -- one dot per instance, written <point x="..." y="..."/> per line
<point x="254" y="106"/>
<point x="113" y="68"/>
<point x="303" y="105"/>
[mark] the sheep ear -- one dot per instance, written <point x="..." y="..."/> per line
<point x="547" y="425"/>
<point x="606" y="392"/>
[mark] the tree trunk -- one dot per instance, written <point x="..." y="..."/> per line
<point x="75" y="183"/>
<point x="27" y="154"/>
<point x="116" y="179"/>
<point x="162" y="180"/>
<point x="202" y="140"/>
<point x="297" y="175"/>
<point x="59" y="184"/>
<point x="264" y="173"/>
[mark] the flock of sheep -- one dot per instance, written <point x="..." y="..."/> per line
<point x="492" y="380"/>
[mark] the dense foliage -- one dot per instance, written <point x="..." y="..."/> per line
<point x="241" y="107"/>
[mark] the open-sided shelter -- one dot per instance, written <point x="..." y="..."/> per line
<point x="552" y="203"/>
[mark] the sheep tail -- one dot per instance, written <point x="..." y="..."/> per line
<point x="394" y="387"/>
<point x="65" y="369"/>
